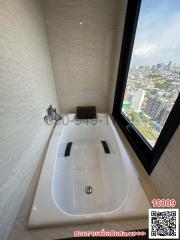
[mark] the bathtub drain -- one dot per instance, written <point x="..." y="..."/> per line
<point x="88" y="189"/>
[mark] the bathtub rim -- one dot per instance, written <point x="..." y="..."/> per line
<point x="104" y="216"/>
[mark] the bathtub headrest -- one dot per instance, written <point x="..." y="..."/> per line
<point x="86" y="112"/>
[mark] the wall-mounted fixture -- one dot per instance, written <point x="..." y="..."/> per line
<point x="52" y="115"/>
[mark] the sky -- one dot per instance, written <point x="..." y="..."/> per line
<point x="158" y="33"/>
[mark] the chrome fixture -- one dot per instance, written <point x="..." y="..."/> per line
<point x="88" y="189"/>
<point x="52" y="115"/>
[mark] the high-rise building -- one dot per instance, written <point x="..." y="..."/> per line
<point x="154" y="106"/>
<point x="169" y="65"/>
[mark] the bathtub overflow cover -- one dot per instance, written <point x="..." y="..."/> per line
<point x="88" y="189"/>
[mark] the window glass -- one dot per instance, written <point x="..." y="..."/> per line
<point x="153" y="82"/>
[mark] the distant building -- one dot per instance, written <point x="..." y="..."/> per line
<point x="153" y="106"/>
<point x="137" y="99"/>
<point x="159" y="66"/>
<point x="169" y="65"/>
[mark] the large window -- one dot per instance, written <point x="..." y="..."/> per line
<point x="147" y="94"/>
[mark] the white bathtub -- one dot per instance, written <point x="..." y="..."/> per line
<point x="60" y="196"/>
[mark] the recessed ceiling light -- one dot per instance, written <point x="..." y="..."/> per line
<point x="80" y="23"/>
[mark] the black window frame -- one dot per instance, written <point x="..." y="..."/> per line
<point x="147" y="154"/>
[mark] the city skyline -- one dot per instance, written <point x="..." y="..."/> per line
<point x="156" y="63"/>
<point x="151" y="92"/>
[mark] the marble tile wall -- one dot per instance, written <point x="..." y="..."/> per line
<point x="82" y="37"/>
<point x="26" y="90"/>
